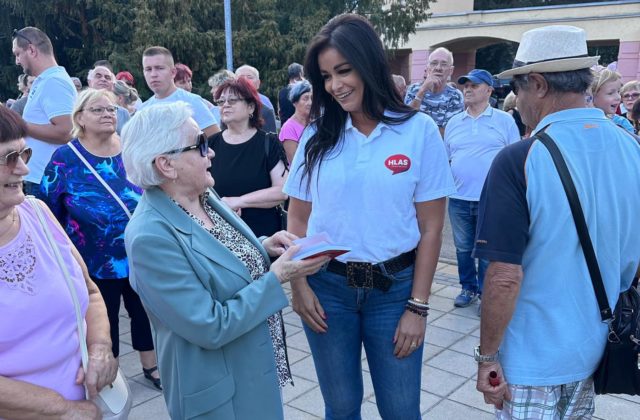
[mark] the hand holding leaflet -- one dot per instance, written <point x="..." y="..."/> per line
<point x="318" y="245"/>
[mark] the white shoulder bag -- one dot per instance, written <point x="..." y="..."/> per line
<point x="99" y="178"/>
<point x="114" y="400"/>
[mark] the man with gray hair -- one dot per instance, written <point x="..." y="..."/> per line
<point x="267" y="113"/>
<point x="433" y="95"/>
<point x="101" y="77"/>
<point x="541" y="334"/>
<point x="50" y="104"/>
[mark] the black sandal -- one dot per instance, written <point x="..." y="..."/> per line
<point x="155" y="381"/>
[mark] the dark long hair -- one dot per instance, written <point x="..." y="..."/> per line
<point x="356" y="40"/>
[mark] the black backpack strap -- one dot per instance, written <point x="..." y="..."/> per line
<point x="581" y="224"/>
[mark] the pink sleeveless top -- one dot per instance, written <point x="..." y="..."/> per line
<point x="38" y="334"/>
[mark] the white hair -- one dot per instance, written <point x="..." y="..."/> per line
<point x="153" y="131"/>
<point x="448" y="53"/>
<point x="93" y="71"/>
<point x="251" y="69"/>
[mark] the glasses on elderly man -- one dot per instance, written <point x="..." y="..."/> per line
<point x="11" y="158"/>
<point x="201" y="145"/>
<point x="634" y="95"/>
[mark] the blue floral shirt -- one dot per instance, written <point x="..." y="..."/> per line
<point x="92" y="218"/>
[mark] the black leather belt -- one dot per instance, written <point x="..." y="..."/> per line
<point x="368" y="275"/>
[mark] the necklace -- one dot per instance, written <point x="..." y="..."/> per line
<point x="13" y="221"/>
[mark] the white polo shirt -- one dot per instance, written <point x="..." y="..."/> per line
<point x="472" y="143"/>
<point x="364" y="192"/>
<point x="52" y="95"/>
<point x="201" y="114"/>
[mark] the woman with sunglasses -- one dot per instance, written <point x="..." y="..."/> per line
<point x="203" y="277"/>
<point x="94" y="209"/>
<point x="40" y="367"/>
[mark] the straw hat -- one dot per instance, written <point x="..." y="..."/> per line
<point x="551" y="49"/>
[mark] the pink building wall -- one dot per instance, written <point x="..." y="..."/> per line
<point x="629" y="60"/>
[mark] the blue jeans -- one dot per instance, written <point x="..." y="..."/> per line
<point x="357" y="316"/>
<point x="464" y="220"/>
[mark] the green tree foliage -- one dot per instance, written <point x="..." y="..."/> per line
<point x="268" y="34"/>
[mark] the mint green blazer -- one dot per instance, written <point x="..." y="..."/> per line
<point x="215" y="354"/>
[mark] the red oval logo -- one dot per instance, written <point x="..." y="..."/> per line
<point x="398" y="163"/>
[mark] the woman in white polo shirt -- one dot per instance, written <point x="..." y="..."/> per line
<point x="373" y="174"/>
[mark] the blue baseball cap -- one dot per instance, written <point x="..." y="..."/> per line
<point x="477" y="76"/>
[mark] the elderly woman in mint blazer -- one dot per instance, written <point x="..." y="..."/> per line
<point x="202" y="276"/>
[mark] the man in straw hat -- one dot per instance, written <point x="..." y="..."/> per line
<point x="541" y="330"/>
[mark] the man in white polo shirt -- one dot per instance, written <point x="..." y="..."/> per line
<point x="51" y="99"/>
<point x="473" y="138"/>
<point x="159" y="71"/>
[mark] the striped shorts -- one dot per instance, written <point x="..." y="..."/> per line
<point x="574" y="400"/>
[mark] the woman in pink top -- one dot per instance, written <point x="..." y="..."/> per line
<point x="40" y="367"/>
<point x="291" y="131"/>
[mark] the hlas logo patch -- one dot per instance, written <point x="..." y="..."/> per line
<point x="398" y="163"/>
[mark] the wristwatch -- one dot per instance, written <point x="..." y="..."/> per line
<point x="480" y="358"/>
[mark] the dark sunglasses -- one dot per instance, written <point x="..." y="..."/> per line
<point x="16" y="34"/>
<point x="201" y="145"/>
<point x="11" y="158"/>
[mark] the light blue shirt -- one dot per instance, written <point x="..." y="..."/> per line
<point x="556" y="335"/>
<point x="471" y="145"/>
<point x="365" y="191"/>
<point x="265" y="100"/>
<point x="123" y="117"/>
<point x="621" y="121"/>
<point x="201" y="114"/>
<point x="52" y="95"/>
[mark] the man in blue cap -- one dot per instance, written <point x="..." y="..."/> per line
<point x="473" y="138"/>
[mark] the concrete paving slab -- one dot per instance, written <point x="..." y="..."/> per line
<point x="611" y="407"/>
<point x="441" y="337"/>
<point x="457" y="323"/>
<point x="301" y="387"/>
<point x="454" y="362"/>
<point x="439" y="382"/>
<point x="468" y="395"/>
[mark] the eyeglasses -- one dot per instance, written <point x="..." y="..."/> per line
<point x="442" y="64"/>
<point x="230" y="101"/>
<point x="635" y="95"/>
<point x="99" y="110"/>
<point x="16" y="34"/>
<point x="201" y="145"/>
<point x="11" y="158"/>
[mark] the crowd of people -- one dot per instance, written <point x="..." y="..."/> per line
<point x="175" y="206"/>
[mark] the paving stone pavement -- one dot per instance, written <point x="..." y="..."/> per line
<point x="448" y="374"/>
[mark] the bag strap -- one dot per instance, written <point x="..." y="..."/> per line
<point x="99" y="178"/>
<point x="74" y="295"/>
<point x="581" y="225"/>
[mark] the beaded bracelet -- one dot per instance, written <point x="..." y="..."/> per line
<point x="423" y="312"/>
